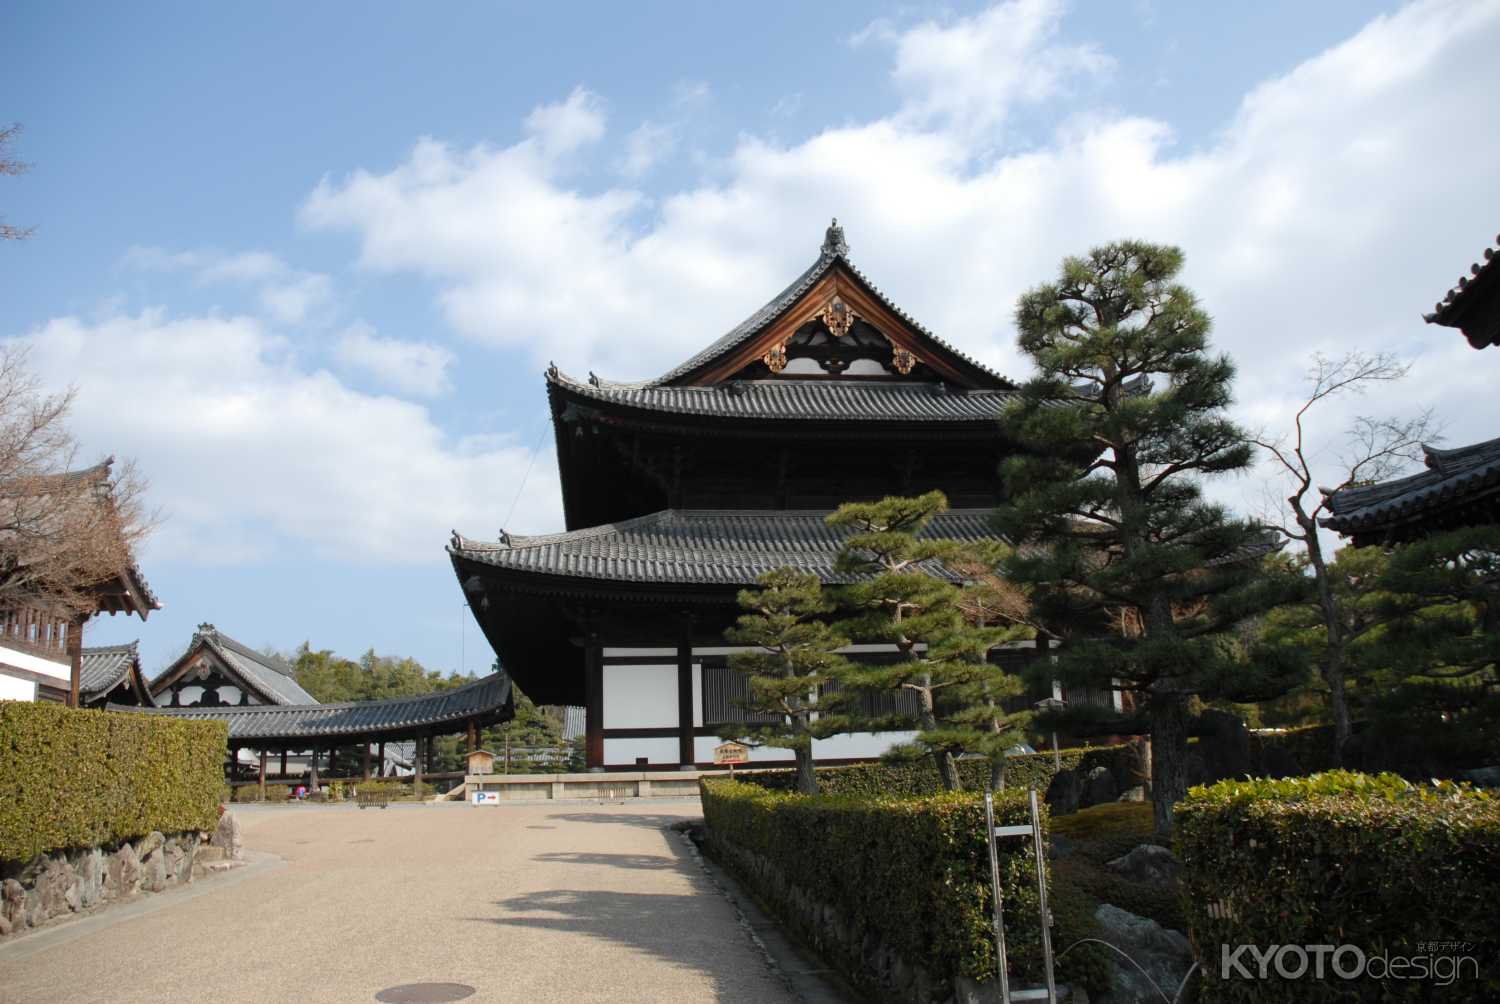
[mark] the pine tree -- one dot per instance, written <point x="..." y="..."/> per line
<point x="905" y="593"/>
<point x="790" y="703"/>
<point x="1124" y="417"/>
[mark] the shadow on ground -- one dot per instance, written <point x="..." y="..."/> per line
<point x="651" y="822"/>
<point x="613" y="860"/>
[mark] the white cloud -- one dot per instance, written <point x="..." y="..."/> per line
<point x="966" y="74"/>
<point x="563" y="128"/>
<point x="647" y="145"/>
<point x="417" y="368"/>
<point x="1337" y="203"/>
<point x="249" y="454"/>
<point x="288" y="296"/>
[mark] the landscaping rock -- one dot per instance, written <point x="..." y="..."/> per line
<point x="1063" y="793"/>
<point x="13" y="903"/>
<point x="1148" y="864"/>
<point x="1163" y="954"/>
<point x="154" y="871"/>
<point x="1099" y="787"/>
<point x="1489" y="777"/>
<point x="149" y="843"/>
<point x="227" y="836"/>
<point x="90" y="871"/>
<point x="1136" y="794"/>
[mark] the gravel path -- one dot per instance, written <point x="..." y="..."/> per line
<point x="578" y="902"/>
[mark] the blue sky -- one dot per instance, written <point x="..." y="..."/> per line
<point x="307" y="262"/>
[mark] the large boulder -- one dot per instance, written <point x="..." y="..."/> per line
<point x="1148" y="864"/>
<point x="1063" y="793"/>
<point x="13" y="903"/>
<point x="1098" y="787"/>
<point x="1163" y="955"/>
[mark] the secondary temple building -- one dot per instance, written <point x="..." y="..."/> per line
<point x="679" y="491"/>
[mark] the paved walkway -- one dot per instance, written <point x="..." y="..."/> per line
<point x="570" y="903"/>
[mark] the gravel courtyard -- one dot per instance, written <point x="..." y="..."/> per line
<point x="571" y="902"/>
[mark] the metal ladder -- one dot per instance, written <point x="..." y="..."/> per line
<point x="1034" y="831"/>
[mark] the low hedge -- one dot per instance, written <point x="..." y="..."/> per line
<point x="1340" y="859"/>
<point x="912" y="870"/>
<point x="80" y="778"/>
<point x="919" y="777"/>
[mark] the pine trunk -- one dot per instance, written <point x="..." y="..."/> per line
<point x="1338" y="698"/>
<point x="807" y="777"/>
<point x="1168" y="753"/>
<point x="997" y="774"/>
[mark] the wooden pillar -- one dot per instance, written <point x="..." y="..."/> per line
<point x="75" y="658"/>
<point x="473" y="736"/>
<point x="685" y="697"/>
<point x="416" y="762"/>
<point x="380" y="758"/>
<point x="331" y="753"/>
<point x="262" y="775"/>
<point x="283" y="763"/>
<point x="593" y="704"/>
<point x="365" y="765"/>
<point x="427" y="747"/>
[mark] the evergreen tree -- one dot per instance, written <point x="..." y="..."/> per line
<point x="905" y="592"/>
<point x="790" y="703"/>
<point x="1442" y="596"/>
<point x="1123" y="419"/>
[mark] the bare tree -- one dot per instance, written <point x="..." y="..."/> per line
<point x="64" y="531"/>
<point x="11" y="166"/>
<point x="1376" y="449"/>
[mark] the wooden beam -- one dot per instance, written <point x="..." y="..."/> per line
<point x="75" y="657"/>
<point x="685" y="696"/>
<point x="593" y="704"/>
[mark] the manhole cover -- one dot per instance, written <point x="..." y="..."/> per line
<point x="425" y="993"/>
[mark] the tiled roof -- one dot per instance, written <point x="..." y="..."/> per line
<point x="723" y="547"/>
<point x="273" y="678"/>
<point x="485" y="697"/>
<point x="1461" y="306"/>
<point x="103" y="667"/>
<point x="794" y="400"/>
<point x="834" y="251"/>
<point x="1452" y="476"/>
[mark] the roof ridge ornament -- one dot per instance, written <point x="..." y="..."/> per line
<point x="834" y="244"/>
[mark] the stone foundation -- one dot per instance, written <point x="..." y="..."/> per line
<point x="75" y="881"/>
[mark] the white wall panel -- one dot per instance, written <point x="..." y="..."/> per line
<point x="59" y="668"/>
<point x="623" y="752"/>
<point x="14" y="688"/>
<point x="640" y="697"/>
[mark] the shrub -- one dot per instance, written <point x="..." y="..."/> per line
<point x="1339" y="858"/>
<point x="278" y="792"/>
<point x="81" y="778"/>
<point x="245" y="793"/>
<point x="920" y="778"/>
<point x="913" y="870"/>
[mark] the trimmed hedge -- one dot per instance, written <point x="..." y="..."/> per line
<point x="81" y="778"/>
<point x="1340" y="859"/>
<point x="912" y="870"/>
<point x="919" y="777"/>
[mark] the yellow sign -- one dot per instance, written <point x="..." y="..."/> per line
<point x="731" y="753"/>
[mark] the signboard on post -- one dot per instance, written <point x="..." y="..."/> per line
<point x="731" y="754"/>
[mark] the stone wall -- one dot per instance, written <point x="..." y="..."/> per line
<point x="68" y="882"/>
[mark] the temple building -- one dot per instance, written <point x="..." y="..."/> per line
<point x="217" y="671"/>
<point x="679" y="491"/>
<point x="1461" y="486"/>
<point x="41" y="644"/>
<point x="111" y="674"/>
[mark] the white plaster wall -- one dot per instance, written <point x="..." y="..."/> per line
<point x="14" y="688"/>
<point x="59" y="669"/>
<point x="855" y="745"/>
<point x="858" y="744"/>
<point x="622" y="752"/>
<point x="639" y="697"/>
